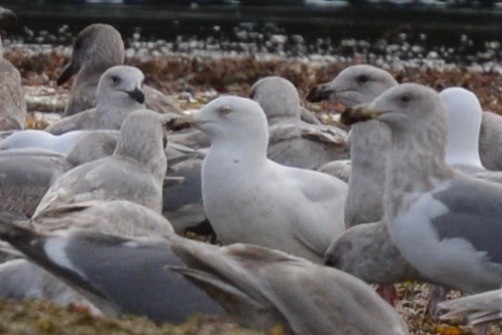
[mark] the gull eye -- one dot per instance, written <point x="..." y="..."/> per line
<point x="405" y="98"/>
<point x="115" y="80"/>
<point x="225" y="110"/>
<point x="363" y="78"/>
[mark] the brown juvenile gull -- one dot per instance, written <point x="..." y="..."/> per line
<point x="292" y="141"/>
<point x="477" y="309"/>
<point x="446" y="224"/>
<point x="259" y="287"/>
<point x="12" y="103"/>
<point x="119" y="93"/>
<point x="249" y="198"/>
<point x="97" y="48"/>
<point x="134" y="172"/>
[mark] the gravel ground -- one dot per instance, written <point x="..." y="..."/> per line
<point x="193" y="72"/>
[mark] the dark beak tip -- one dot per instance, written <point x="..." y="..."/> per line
<point x="138" y="96"/>
<point x="318" y="94"/>
<point x="68" y="71"/>
<point x="312" y="96"/>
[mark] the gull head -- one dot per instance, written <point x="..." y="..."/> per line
<point x="354" y="85"/>
<point x="277" y="96"/>
<point x="231" y="119"/>
<point x="121" y="86"/>
<point x="403" y="106"/>
<point x="95" y="49"/>
<point x="464" y="123"/>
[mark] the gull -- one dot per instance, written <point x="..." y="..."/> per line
<point x="292" y="141"/>
<point x="12" y="103"/>
<point x="97" y="48"/>
<point x="249" y="198"/>
<point x="446" y="224"/>
<point x="119" y="93"/>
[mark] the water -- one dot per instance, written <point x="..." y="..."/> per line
<point x="322" y="27"/>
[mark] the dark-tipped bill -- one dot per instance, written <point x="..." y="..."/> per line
<point x="357" y="114"/>
<point x="181" y="122"/>
<point x="137" y="95"/>
<point x="319" y="93"/>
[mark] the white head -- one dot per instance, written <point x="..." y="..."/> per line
<point x="121" y="86"/>
<point x="235" y="120"/>
<point x="354" y="85"/>
<point x="464" y="123"/>
<point x="277" y="96"/>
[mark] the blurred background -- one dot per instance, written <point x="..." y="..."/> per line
<point x="423" y="21"/>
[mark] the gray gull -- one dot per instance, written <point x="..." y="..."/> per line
<point x="369" y="144"/>
<point x="116" y="274"/>
<point x="134" y="172"/>
<point x="490" y="141"/>
<point x="365" y="251"/>
<point x="119" y="93"/>
<point x="26" y="175"/>
<point x="447" y="225"/>
<point x="292" y="141"/>
<point x="362" y="83"/>
<point x="259" y="287"/>
<point x="97" y="48"/>
<point x="12" y="103"/>
<point x="249" y="198"/>
<point x="23" y="280"/>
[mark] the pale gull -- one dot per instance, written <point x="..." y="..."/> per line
<point x="477" y="309"/>
<point x="259" y="287"/>
<point x="447" y="225"/>
<point x="464" y="123"/>
<point x="97" y="48"/>
<point x="63" y="144"/>
<point x="292" y="141"/>
<point x="134" y="172"/>
<point x="249" y="198"/>
<point x="12" y="103"/>
<point x="119" y="93"/>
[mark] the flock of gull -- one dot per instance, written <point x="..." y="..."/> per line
<point x="94" y="208"/>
